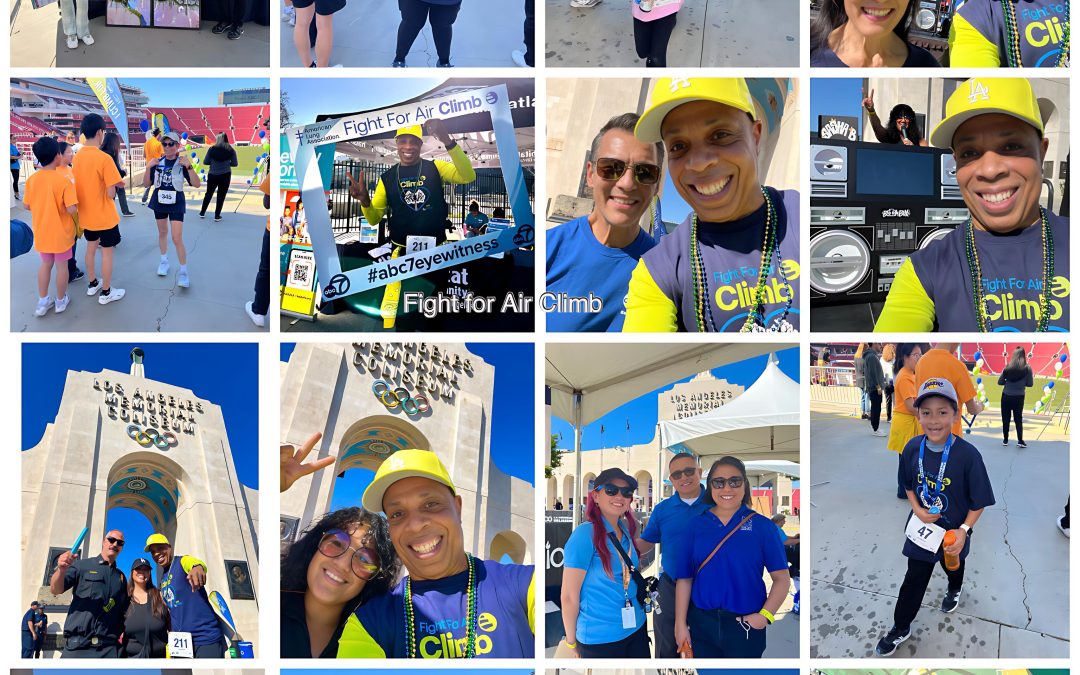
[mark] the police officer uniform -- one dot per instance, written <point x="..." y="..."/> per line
<point x="95" y="618"/>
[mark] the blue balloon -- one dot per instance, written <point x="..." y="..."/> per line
<point x="249" y="181"/>
<point x="144" y="125"/>
<point x="1050" y="384"/>
<point x="978" y="380"/>
<point x="194" y="154"/>
<point x="262" y="134"/>
<point x="1064" y="358"/>
<point x="978" y="355"/>
<point x="184" y="135"/>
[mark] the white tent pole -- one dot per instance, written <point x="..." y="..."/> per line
<point x="658" y="484"/>
<point x="577" y="455"/>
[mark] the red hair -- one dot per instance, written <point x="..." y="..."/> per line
<point x="599" y="531"/>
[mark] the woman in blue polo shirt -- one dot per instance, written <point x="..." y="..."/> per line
<point x="721" y="606"/>
<point x="600" y="610"/>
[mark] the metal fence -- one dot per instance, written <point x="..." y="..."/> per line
<point x="488" y="190"/>
<point x="835" y="386"/>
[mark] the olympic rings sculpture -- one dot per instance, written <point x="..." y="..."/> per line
<point x="392" y="397"/>
<point x="152" y="437"/>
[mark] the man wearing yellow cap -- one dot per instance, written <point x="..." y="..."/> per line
<point x="451" y="605"/>
<point x="732" y="265"/>
<point x="1007" y="268"/>
<point x="182" y="580"/>
<point x="1014" y="33"/>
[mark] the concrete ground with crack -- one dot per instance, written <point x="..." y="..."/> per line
<point x="1017" y="571"/>
<point x="365" y="34"/>
<point x="223" y="259"/>
<point x="710" y="33"/>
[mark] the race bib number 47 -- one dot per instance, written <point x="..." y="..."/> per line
<point x="924" y="535"/>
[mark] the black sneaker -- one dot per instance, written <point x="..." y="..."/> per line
<point x="951" y="600"/>
<point x="1021" y="444"/>
<point x="79" y="274"/>
<point x="399" y="64"/>
<point x="236" y="31"/>
<point x="893" y="639"/>
<point x="1005" y="442"/>
<point x="220" y="27"/>
<point x="444" y="64"/>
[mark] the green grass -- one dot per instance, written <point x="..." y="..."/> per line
<point x="245" y="155"/>
<point x="993" y="392"/>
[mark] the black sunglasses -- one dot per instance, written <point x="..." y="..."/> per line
<point x="719" y="482"/>
<point x="336" y="543"/>
<point x="610" y="169"/>
<point x="611" y="490"/>
<point x="676" y="475"/>
<point x="169" y="145"/>
<point x="114" y="540"/>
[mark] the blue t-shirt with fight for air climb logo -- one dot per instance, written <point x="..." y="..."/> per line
<point x="504" y="606"/>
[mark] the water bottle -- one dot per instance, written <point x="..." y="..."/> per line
<point x="952" y="562"/>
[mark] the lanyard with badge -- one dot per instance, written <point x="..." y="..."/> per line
<point x="629" y="616"/>
<point x="929" y="536"/>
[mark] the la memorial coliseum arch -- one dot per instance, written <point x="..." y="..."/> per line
<point x="331" y="388"/>
<point x="124" y="440"/>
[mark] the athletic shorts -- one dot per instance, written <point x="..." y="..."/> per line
<point x="322" y="7"/>
<point x="175" y="217"/>
<point x="105" y="238"/>
<point x="56" y="257"/>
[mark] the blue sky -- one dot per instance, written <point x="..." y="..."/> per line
<point x="642" y="411"/>
<point x="386" y="671"/>
<point x="310" y="97"/>
<point x="225" y="374"/>
<point x="512" y="417"/>
<point x="190" y="92"/>
<point x="837" y="96"/>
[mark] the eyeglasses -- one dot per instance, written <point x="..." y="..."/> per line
<point x="168" y="145"/>
<point x="613" y="169"/>
<point x="336" y="543"/>
<point x="676" y="475"/>
<point x="612" y="490"/>
<point x="115" y="541"/>
<point x="720" y="482"/>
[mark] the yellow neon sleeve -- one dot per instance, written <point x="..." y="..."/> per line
<point x="648" y="309"/>
<point x="357" y="643"/>
<point x="908" y="308"/>
<point x="968" y="48"/>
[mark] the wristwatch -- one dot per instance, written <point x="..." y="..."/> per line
<point x="967" y="529"/>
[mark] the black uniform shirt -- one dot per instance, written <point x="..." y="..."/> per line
<point x="98" y="603"/>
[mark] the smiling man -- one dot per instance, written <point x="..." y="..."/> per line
<point x="732" y="266"/>
<point x="1016" y="250"/>
<point x="667" y="526"/>
<point x="182" y="580"/>
<point x="597" y="253"/>
<point x="95" y="617"/>
<point x="451" y="605"/>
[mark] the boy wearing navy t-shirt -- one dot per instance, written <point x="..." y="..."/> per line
<point x="948" y="488"/>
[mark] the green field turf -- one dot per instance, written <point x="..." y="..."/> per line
<point x="993" y="392"/>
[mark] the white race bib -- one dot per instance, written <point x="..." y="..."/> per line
<point x="924" y="535"/>
<point x="415" y="244"/>
<point x="180" y="646"/>
<point x="167" y="197"/>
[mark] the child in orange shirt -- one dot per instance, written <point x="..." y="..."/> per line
<point x="96" y="180"/>
<point x="50" y="196"/>
<point x="67" y="153"/>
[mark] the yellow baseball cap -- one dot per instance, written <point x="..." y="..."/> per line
<point x="980" y="96"/>
<point x="405" y="464"/>
<point x="415" y="130"/>
<point x="669" y="93"/>
<point x="156" y="539"/>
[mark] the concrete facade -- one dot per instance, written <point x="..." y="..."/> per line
<point x="90" y="460"/>
<point x="329" y="388"/>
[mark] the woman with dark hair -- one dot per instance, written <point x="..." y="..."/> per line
<point x="905" y="424"/>
<point x="1016" y="378"/>
<point x="337" y="564"/>
<point x="441" y="14"/>
<point x="902" y="128"/>
<point x="221" y="158"/>
<point x="600" y="610"/>
<point x="851" y="33"/>
<point x="111" y="147"/>
<point x="721" y="605"/>
<point x="147" y="622"/>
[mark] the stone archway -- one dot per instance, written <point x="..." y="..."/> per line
<point x="508" y="543"/>
<point x="552" y="492"/>
<point x="645" y="487"/>
<point x="567" y="489"/>
<point x="151" y="484"/>
<point x="369" y="442"/>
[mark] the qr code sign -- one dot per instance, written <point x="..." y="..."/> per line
<point x="301" y="274"/>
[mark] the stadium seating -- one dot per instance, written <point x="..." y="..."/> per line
<point x="241" y="122"/>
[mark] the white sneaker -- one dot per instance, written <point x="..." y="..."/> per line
<point x="43" y="305"/>
<point x="287" y="13"/>
<point x="62" y="304"/>
<point x="87" y="40"/>
<point x="584" y="3"/>
<point x="182" y="279"/>
<point x="879" y="432"/>
<point x="645" y="5"/>
<point x="519" y="58"/>
<point x="93" y="287"/>
<point x="72" y="42"/>
<point x="257" y="319"/>
<point x="163" y="268"/>
<point x="114" y="295"/>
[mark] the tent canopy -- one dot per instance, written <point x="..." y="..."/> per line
<point x="762" y="423"/>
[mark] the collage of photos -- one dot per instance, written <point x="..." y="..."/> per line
<point x="453" y="192"/>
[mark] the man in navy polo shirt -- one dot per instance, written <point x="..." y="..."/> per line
<point x="667" y="525"/>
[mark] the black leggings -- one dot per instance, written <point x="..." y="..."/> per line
<point x="15" y="180"/>
<point x="875" y="409"/>
<point x="914" y="588"/>
<point x="236" y="10"/>
<point x="651" y="40"/>
<point x="1012" y="406"/>
<point x="413" y="15"/>
<point x="220" y="182"/>
<point x="636" y="646"/>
